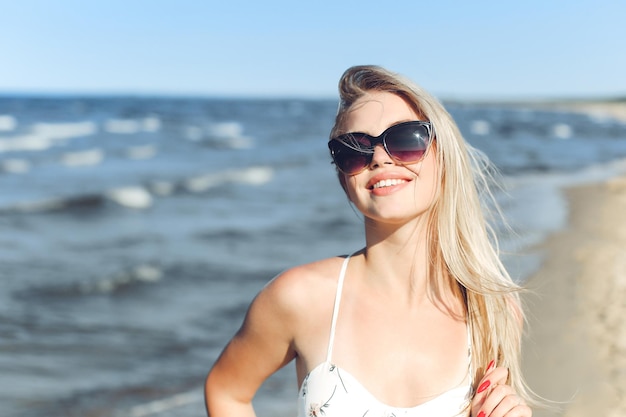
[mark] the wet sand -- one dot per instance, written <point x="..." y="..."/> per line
<point x="575" y="346"/>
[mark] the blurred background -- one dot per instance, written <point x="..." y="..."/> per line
<point x="161" y="161"/>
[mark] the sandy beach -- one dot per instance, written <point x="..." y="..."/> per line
<point x="575" y="346"/>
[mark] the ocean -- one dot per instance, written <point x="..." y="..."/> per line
<point x="134" y="232"/>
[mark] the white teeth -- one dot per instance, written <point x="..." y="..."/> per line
<point x="387" y="183"/>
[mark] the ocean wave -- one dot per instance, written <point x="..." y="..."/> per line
<point x="151" y="124"/>
<point x="7" y="123"/>
<point x="194" y="133"/>
<point x="132" y="126"/>
<point x="141" y="152"/>
<point x="137" y="275"/>
<point x="43" y="136"/>
<point x="162" y="405"/>
<point x="162" y="188"/>
<point x="562" y="131"/>
<point x="152" y="272"/>
<point x="135" y="197"/>
<point x="253" y="176"/>
<point x="82" y="158"/>
<point x="138" y="197"/>
<point x="480" y="127"/>
<point x="225" y="235"/>
<point x="227" y="135"/>
<point x="25" y="143"/>
<point x="55" y="204"/>
<point x="15" y="166"/>
<point x="140" y="274"/>
<point x="231" y="133"/>
<point x="67" y="130"/>
<point x="88" y="157"/>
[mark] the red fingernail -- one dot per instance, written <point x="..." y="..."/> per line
<point x="493" y="362"/>
<point x="483" y="386"/>
<point x="481" y="414"/>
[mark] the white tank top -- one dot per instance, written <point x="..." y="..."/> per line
<point x="330" y="391"/>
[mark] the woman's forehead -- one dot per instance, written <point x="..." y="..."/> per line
<point x="376" y="111"/>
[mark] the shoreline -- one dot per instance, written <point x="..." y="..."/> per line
<point x="603" y="109"/>
<point x="608" y="108"/>
<point x="574" y="350"/>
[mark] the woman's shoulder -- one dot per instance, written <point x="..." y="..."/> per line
<point x="307" y="280"/>
<point x="302" y="288"/>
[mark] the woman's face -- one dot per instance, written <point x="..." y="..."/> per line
<point x="388" y="191"/>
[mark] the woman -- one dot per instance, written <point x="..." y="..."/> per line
<point x="424" y="320"/>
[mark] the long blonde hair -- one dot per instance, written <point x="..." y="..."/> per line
<point x="463" y="248"/>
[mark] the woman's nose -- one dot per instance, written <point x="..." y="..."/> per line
<point x="380" y="157"/>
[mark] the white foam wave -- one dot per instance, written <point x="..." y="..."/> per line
<point x="46" y="135"/>
<point x="253" y="176"/>
<point x="223" y="134"/>
<point x="562" y="131"/>
<point x="83" y="158"/>
<point x="122" y="126"/>
<point x="230" y="134"/>
<point x="163" y="405"/>
<point x="480" y="127"/>
<point x="29" y="142"/>
<point x="141" y="273"/>
<point x="141" y="152"/>
<point x="15" y="166"/>
<point x="131" y="197"/>
<point x="203" y="183"/>
<point x="147" y="273"/>
<point x="151" y="124"/>
<point x="59" y="131"/>
<point x="7" y="123"/>
<point x="226" y="129"/>
<point x="131" y="126"/>
<point x="162" y="188"/>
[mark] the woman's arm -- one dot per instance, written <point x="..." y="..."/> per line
<point x="263" y="344"/>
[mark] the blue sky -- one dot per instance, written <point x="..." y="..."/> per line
<point x="455" y="49"/>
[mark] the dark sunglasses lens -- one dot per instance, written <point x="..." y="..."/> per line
<point x="348" y="160"/>
<point x="408" y="143"/>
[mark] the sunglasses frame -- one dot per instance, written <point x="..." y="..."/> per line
<point x="347" y="140"/>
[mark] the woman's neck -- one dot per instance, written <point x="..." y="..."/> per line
<point x="397" y="262"/>
<point x="396" y="258"/>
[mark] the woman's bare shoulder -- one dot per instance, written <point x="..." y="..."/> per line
<point x="295" y="292"/>
<point x="300" y="298"/>
<point x="304" y="283"/>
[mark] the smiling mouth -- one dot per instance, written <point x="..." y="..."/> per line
<point x="387" y="183"/>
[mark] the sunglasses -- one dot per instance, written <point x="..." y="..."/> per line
<point x="405" y="143"/>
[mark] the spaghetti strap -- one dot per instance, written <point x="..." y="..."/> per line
<point x="331" y="339"/>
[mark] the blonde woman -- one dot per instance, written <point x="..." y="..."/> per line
<point x="424" y="320"/>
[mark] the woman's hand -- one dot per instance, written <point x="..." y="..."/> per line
<point x="494" y="398"/>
